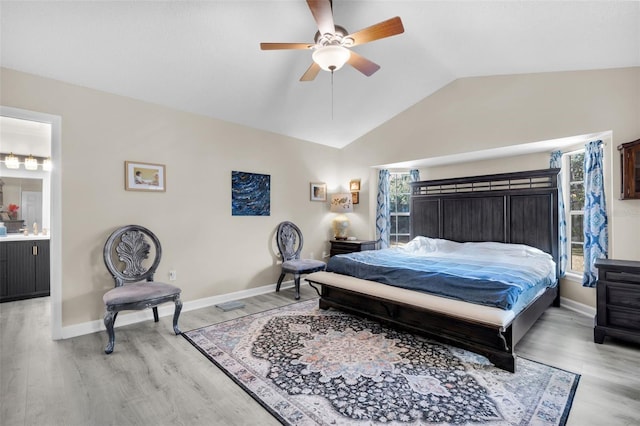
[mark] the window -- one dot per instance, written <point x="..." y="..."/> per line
<point x="575" y="211"/>
<point x="399" y="196"/>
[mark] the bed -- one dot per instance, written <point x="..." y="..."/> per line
<point x="511" y="208"/>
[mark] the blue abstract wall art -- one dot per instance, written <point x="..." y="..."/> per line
<point x="250" y="194"/>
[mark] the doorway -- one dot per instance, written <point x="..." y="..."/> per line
<point x="52" y="189"/>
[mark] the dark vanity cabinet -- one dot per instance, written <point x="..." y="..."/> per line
<point x="24" y="269"/>
<point x="630" y="168"/>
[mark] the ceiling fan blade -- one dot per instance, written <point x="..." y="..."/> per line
<point x="311" y="72"/>
<point x="282" y="46"/>
<point x="323" y="14"/>
<point x="362" y="64"/>
<point x="383" y="29"/>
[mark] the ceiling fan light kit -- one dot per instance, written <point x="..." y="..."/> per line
<point x="331" y="58"/>
<point x="330" y="51"/>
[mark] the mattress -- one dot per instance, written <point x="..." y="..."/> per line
<point x="499" y="275"/>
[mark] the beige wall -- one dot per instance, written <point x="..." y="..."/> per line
<point x="476" y="114"/>
<point x="213" y="252"/>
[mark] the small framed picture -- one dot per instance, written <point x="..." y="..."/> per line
<point x="318" y="191"/>
<point x="354" y="185"/>
<point x="144" y="177"/>
<point x="355" y="197"/>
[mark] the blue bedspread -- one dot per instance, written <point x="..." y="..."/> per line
<point x="486" y="283"/>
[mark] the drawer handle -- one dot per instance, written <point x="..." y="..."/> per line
<point x="34" y="250"/>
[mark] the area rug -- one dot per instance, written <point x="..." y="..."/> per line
<point x="313" y="367"/>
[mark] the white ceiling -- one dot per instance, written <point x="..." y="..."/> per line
<point x="204" y="56"/>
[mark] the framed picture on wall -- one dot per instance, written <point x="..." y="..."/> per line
<point x="250" y="194"/>
<point x="354" y="185"/>
<point x="355" y="197"/>
<point x="144" y="177"/>
<point x="318" y="191"/>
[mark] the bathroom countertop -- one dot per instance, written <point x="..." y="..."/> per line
<point x="20" y="237"/>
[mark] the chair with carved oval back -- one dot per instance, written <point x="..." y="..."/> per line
<point x="289" y="239"/>
<point x="126" y="255"/>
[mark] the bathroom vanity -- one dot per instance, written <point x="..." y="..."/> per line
<point x="24" y="267"/>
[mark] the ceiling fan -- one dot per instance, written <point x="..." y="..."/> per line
<point x="331" y="49"/>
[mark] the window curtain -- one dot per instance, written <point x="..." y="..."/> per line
<point x="595" y="213"/>
<point x="414" y="175"/>
<point x="383" y="215"/>
<point x="556" y="163"/>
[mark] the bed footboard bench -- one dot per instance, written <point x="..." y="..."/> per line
<point x="495" y="339"/>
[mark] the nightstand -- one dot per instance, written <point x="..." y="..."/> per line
<point x="618" y="300"/>
<point x="350" y="246"/>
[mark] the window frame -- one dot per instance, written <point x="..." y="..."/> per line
<point x="394" y="235"/>
<point x="570" y="214"/>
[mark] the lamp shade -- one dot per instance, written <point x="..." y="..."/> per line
<point x="341" y="203"/>
<point x="331" y="58"/>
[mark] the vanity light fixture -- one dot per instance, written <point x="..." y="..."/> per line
<point x="11" y="161"/>
<point x="30" y="163"/>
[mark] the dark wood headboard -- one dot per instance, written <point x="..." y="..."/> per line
<point x="518" y="208"/>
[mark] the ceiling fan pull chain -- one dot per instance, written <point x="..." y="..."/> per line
<point x="331" y="95"/>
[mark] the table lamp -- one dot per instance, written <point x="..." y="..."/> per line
<point x="341" y="204"/>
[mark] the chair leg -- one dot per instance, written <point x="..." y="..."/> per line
<point x="109" y="320"/>
<point x="155" y="314"/>
<point x="280" y="281"/>
<point x="296" y="279"/>
<point x="176" y="314"/>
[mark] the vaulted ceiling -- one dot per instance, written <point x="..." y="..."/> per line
<point x="204" y="56"/>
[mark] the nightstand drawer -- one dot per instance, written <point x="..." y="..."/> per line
<point x="623" y="318"/>
<point x="346" y="246"/>
<point x="623" y="295"/>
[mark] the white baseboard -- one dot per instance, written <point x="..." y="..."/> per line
<point x="167" y="310"/>
<point x="586" y="310"/>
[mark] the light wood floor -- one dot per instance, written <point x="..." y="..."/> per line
<point x="156" y="378"/>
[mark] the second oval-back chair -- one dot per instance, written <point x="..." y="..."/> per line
<point x="126" y="255"/>
<point x="290" y="242"/>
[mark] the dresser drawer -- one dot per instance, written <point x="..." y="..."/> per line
<point x="623" y="295"/>
<point x="622" y="277"/>
<point x="623" y="318"/>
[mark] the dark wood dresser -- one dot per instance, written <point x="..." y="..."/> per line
<point x="350" y="246"/>
<point x="618" y="300"/>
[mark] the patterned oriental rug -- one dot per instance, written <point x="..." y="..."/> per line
<point x="313" y="367"/>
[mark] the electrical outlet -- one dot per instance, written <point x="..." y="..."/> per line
<point x="173" y="275"/>
<point x="311" y="255"/>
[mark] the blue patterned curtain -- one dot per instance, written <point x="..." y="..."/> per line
<point x="556" y="163"/>
<point x="415" y="175"/>
<point x="383" y="215"/>
<point x="596" y="241"/>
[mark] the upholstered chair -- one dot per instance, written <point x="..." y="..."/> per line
<point x="127" y="257"/>
<point x="290" y="241"/>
